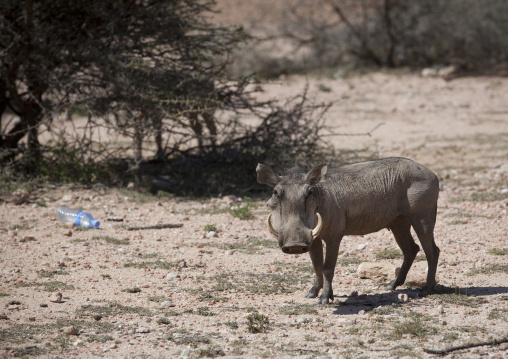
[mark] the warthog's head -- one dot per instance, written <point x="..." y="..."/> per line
<point x="295" y="220"/>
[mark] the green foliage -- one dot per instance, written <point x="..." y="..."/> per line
<point x="164" y="321"/>
<point x="132" y="290"/>
<point x="499" y="251"/>
<point x="389" y="254"/>
<point x="232" y="324"/>
<point x="243" y="211"/>
<point x="257" y="323"/>
<point x="210" y="352"/>
<point x="111" y="240"/>
<point x="415" y="325"/>
<point x="210" y="228"/>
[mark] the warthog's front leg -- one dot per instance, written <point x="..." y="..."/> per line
<point x="332" y="251"/>
<point x="316" y="256"/>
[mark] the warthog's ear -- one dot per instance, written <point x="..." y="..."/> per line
<point x="267" y="176"/>
<point x="316" y="174"/>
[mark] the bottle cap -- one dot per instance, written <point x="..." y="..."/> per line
<point x="95" y="223"/>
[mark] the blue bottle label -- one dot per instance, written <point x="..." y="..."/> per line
<point x="77" y="220"/>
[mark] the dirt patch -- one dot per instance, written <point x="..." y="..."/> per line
<point x="230" y="291"/>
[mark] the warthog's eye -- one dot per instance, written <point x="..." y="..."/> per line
<point x="309" y="190"/>
<point x="275" y="193"/>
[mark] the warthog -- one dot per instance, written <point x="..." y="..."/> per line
<point x="326" y="204"/>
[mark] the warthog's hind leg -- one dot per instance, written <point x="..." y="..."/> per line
<point x="401" y="229"/>
<point x="424" y="228"/>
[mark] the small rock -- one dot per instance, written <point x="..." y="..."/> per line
<point x="417" y="279"/>
<point x="32" y="319"/>
<point x="3" y="316"/>
<point x="278" y="346"/>
<point x="56" y="297"/>
<point x="448" y="72"/>
<point x="361" y="247"/>
<point x="112" y="346"/>
<point x="440" y="309"/>
<point x="97" y="317"/>
<point x="404" y="298"/>
<point x="429" y="72"/>
<point x="167" y="304"/>
<point x="503" y="346"/>
<point x="142" y="330"/>
<point x="71" y="330"/>
<point x="172" y="276"/>
<point x="186" y="353"/>
<point x="77" y="343"/>
<point x="19" y="197"/>
<point x="362" y="312"/>
<point x="444" y="322"/>
<point x="211" y="234"/>
<point x="28" y="238"/>
<point x="68" y="234"/>
<point x="377" y="271"/>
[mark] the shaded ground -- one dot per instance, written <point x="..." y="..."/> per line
<point x="178" y="292"/>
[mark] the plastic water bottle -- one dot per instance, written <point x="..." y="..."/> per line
<point x="79" y="218"/>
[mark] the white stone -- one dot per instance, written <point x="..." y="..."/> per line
<point x="377" y="271"/>
<point x="361" y="247"/>
<point x="211" y="234"/>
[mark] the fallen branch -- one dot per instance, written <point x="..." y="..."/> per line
<point x="157" y="226"/>
<point x="465" y="346"/>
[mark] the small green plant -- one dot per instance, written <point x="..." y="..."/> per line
<point x="499" y="251"/>
<point x="41" y="203"/>
<point x="414" y="326"/>
<point x="2" y="294"/>
<point x="243" y="211"/>
<point x="132" y="290"/>
<point x="232" y="324"/>
<point x="51" y="273"/>
<point x="105" y="276"/>
<point x="389" y="254"/>
<point x="205" y="312"/>
<point x="164" y="321"/>
<point x="111" y="240"/>
<point x="257" y="322"/>
<point x="210" y="228"/>
<point x="99" y="338"/>
<point x="489" y="269"/>
<point x="211" y="352"/>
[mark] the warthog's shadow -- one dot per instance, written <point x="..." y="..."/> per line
<point x="367" y="302"/>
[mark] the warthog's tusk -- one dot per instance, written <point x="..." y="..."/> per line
<point x="270" y="228"/>
<point x="319" y="226"/>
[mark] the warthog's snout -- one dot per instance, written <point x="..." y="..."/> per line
<point x="296" y="249"/>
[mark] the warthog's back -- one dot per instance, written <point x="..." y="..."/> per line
<point x="374" y="193"/>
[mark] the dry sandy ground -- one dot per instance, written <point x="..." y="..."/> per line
<point x="170" y="293"/>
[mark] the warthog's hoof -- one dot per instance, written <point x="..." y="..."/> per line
<point x="392" y="285"/>
<point x="313" y="292"/>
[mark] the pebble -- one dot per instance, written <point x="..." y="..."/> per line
<point x="186" y="353"/>
<point x="71" y="330"/>
<point x="142" y="330"/>
<point x="172" y="276"/>
<point x="361" y="247"/>
<point x="211" y="234"/>
<point x="55" y="297"/>
<point x="4" y="316"/>
<point x="278" y="346"/>
<point x="503" y="346"/>
<point x="77" y="342"/>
